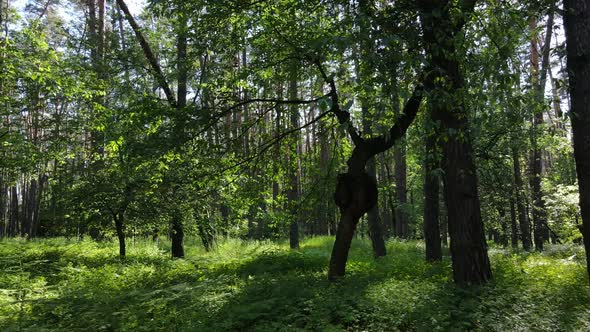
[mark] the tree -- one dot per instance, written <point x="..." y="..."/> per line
<point x="577" y="28"/>
<point x="468" y="247"/>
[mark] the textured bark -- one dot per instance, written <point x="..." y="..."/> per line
<point x="577" y="28"/>
<point x="468" y="247"/>
<point x="432" y="235"/>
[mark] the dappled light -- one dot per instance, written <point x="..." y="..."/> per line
<point x="63" y="285"/>
<point x="294" y="165"/>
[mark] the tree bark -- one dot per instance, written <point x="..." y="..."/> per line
<point x="432" y="236"/>
<point x="468" y="246"/>
<point x="577" y="29"/>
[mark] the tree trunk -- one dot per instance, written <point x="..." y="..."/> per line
<point x="14" y="212"/>
<point x="523" y="220"/>
<point x="375" y="230"/>
<point x="401" y="218"/>
<point x="356" y="194"/>
<point x="503" y="238"/>
<point x="538" y="83"/>
<point x="120" y="228"/>
<point x="177" y="235"/>
<point x="365" y="72"/>
<point x="513" y="224"/>
<point x="431" y="208"/>
<point x="468" y="246"/>
<point x="325" y="215"/>
<point x="294" y="167"/>
<point x="147" y="51"/>
<point x="577" y="28"/>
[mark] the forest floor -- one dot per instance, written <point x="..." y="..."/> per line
<point x="60" y="285"/>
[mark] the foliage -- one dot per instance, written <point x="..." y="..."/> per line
<point x="56" y="284"/>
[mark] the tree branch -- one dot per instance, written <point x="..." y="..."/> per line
<point x="148" y="54"/>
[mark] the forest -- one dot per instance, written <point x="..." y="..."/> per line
<point x="294" y="165"/>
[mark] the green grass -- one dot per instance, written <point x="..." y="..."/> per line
<point x="60" y="285"/>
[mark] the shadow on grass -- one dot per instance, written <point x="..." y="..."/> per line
<point x="266" y="287"/>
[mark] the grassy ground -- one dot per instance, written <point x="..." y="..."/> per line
<point x="59" y="285"/>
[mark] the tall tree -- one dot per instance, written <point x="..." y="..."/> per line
<point x="523" y="219"/>
<point x="538" y="80"/>
<point x="365" y="71"/>
<point x="577" y="29"/>
<point x="468" y="247"/>
<point x="294" y="166"/>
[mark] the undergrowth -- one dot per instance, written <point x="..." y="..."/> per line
<point x="61" y="285"/>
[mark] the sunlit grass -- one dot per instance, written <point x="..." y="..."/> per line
<point x="62" y="285"/>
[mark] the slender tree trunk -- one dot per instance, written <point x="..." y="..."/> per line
<point x="538" y="83"/>
<point x="444" y="221"/>
<point x="3" y="195"/>
<point x="325" y="216"/>
<point x="294" y="167"/>
<point x="31" y="207"/>
<point x="577" y="28"/>
<point x="431" y="208"/>
<point x="513" y="224"/>
<point x="523" y="220"/>
<point x="14" y="212"/>
<point x="120" y="228"/>
<point x="177" y="227"/>
<point x="503" y="237"/>
<point x="147" y="51"/>
<point x="401" y="218"/>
